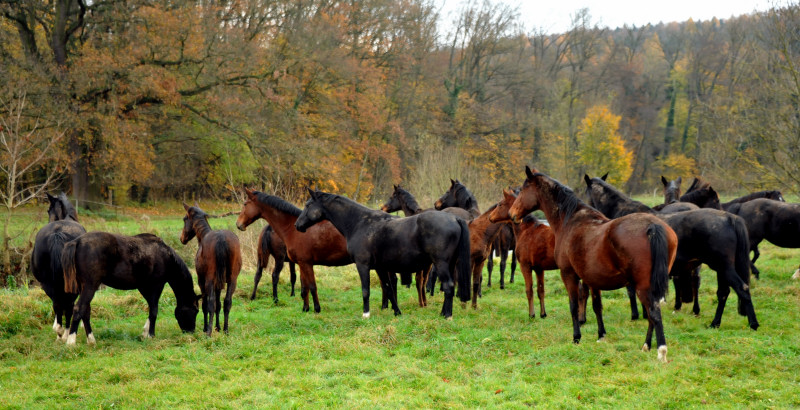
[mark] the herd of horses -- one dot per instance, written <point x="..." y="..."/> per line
<point x="610" y="243"/>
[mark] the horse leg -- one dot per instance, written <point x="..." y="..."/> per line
<point x="528" y="277"/>
<point x="597" y="306"/>
<point x="723" y="290"/>
<point x="391" y="286"/>
<point x="276" y="274"/>
<point x="745" y="301"/>
<point x="81" y="312"/>
<point x="363" y="274"/>
<point x="540" y="292"/>
<point x="312" y="288"/>
<point x="218" y="296"/>
<point x="293" y="276"/>
<point x="257" y="279"/>
<point x="208" y="307"/>
<point x="477" y="268"/>
<point x="571" y="280"/>
<point x="419" y="280"/>
<point x="305" y="272"/>
<point x="446" y="275"/>
<point x="384" y="292"/>
<point x="583" y="296"/>
<point x="490" y="264"/>
<point x="756" y="254"/>
<point x="513" y="265"/>
<point x="632" y="297"/>
<point x="432" y="280"/>
<point x="676" y="284"/>
<point x="695" y="291"/>
<point x="228" y="303"/>
<point x="653" y="322"/>
<point x="503" y="259"/>
<point x="151" y="296"/>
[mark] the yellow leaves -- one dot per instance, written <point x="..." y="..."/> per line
<point x="601" y="149"/>
<point x="676" y="165"/>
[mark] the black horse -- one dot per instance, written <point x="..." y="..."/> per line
<point x="386" y="243"/>
<point x="773" y="194"/>
<point x="271" y="245"/>
<point x="708" y="236"/>
<point x="142" y="262"/>
<point x="46" y="257"/>
<point x="459" y="196"/>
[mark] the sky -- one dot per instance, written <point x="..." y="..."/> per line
<point x="555" y="16"/>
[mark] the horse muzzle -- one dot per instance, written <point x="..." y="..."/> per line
<point x="240" y="226"/>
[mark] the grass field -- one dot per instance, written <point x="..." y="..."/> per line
<point x="278" y="356"/>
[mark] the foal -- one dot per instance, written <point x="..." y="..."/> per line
<point x="218" y="262"/>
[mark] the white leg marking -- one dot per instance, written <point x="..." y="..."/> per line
<point x="64" y="335"/>
<point x="602" y="339"/>
<point x="71" y="339"/>
<point x="365" y="315"/>
<point x="645" y="348"/>
<point x="796" y="274"/>
<point x="146" y="332"/>
<point x="662" y="353"/>
<point x="56" y="325"/>
<point x="90" y="339"/>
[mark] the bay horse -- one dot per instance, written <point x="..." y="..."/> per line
<point x="535" y="249"/>
<point x="708" y="236"/>
<point x="387" y="243"/>
<point x="482" y="236"/>
<point x="217" y="262"/>
<point x="458" y="196"/>
<point x="320" y="245"/>
<point x="605" y="253"/>
<point x="46" y="257"/>
<point x="143" y="262"/>
<point x="271" y="245"/>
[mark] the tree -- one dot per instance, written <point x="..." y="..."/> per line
<point x="600" y="148"/>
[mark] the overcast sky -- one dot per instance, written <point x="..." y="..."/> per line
<point x="554" y="16"/>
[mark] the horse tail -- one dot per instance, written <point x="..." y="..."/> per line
<point x="463" y="266"/>
<point x="71" y="284"/>
<point x="55" y="245"/>
<point x="222" y="263"/>
<point x="263" y="255"/>
<point x="742" y="258"/>
<point x="659" y="273"/>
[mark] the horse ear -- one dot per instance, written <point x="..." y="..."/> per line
<point x="186" y="207"/>
<point x="452" y="182"/>
<point x="664" y="181"/>
<point x="587" y="180"/>
<point x="395" y="187"/>
<point x="528" y="172"/>
<point x="604" y="176"/>
<point x="509" y="195"/>
<point x="311" y="192"/>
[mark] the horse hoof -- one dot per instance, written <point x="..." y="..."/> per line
<point x="275" y="301"/>
<point x="71" y="338"/>
<point x="365" y="315"/>
<point x="543" y="315"/>
<point x="714" y="325"/>
<point x="317" y="309"/>
<point x="634" y="317"/>
<point x="90" y="340"/>
<point x="796" y="274"/>
<point x="645" y="347"/>
<point x="449" y="318"/>
<point x="601" y="339"/>
<point x="662" y="354"/>
<point x="754" y="326"/>
<point x="576" y="341"/>
<point x="397" y="313"/>
<point x="502" y="286"/>
<point x="306" y="309"/>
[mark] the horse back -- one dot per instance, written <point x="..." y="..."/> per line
<point x="47" y="248"/>
<point x="219" y="257"/>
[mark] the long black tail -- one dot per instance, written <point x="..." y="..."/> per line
<point x="463" y="264"/>
<point x="222" y="262"/>
<point x="71" y="284"/>
<point x="742" y="259"/>
<point x="659" y="254"/>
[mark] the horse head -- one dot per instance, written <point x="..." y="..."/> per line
<point x="250" y="210"/>
<point x="313" y="212"/>
<point x="193" y="213"/>
<point x="60" y="208"/>
<point x="672" y="190"/>
<point x="393" y="204"/>
<point x="500" y="212"/>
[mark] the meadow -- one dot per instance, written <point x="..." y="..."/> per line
<point x="495" y="356"/>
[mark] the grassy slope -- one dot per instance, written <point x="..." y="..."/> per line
<point x="279" y="356"/>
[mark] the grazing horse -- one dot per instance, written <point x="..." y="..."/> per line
<point x="270" y="244"/>
<point x="776" y="222"/>
<point x="460" y="197"/>
<point x="46" y="257"/>
<point x="708" y="236"/>
<point x="386" y="243"/>
<point x="321" y="245"/>
<point x="605" y="253"/>
<point x="535" y="248"/>
<point x="218" y="262"/>
<point x="142" y="262"/>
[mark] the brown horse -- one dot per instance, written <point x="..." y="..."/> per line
<point x="482" y="235"/>
<point x="535" y="249"/>
<point x="322" y="244"/>
<point x="218" y="262"/>
<point x="271" y="245"/>
<point x="606" y="254"/>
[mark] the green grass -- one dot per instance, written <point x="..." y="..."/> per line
<point x="278" y="356"/>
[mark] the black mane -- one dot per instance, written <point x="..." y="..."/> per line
<point x="464" y="196"/>
<point x="408" y="199"/>
<point x="568" y="202"/>
<point x="698" y="195"/>
<point x="277" y="203"/>
<point x="755" y="195"/>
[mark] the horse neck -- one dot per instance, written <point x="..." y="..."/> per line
<point x="346" y="215"/>
<point x="488" y="229"/>
<point x="180" y="280"/>
<point x="410" y="206"/>
<point x="201" y="228"/>
<point x="281" y="221"/>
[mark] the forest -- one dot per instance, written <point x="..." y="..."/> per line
<point x="131" y="101"/>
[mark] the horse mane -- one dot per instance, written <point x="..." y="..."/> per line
<point x="697" y="183"/>
<point x="568" y="202"/>
<point x="755" y="195"/>
<point x="618" y="197"/>
<point x="278" y="203"/>
<point x="470" y="200"/>
<point x="696" y="195"/>
<point x="409" y="199"/>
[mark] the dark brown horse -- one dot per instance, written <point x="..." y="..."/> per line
<point x="218" y="262"/>
<point x="271" y="245"/>
<point x="773" y="194"/>
<point x="46" y="257"/>
<point x="142" y="262"/>
<point x="320" y="245"/>
<point x="482" y="235"/>
<point x="535" y="249"/>
<point x="606" y="254"/>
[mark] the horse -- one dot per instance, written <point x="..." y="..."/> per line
<point x="708" y="236"/>
<point x="605" y="253"/>
<point x="142" y="262"/>
<point x="321" y="245"/>
<point x="460" y="197"/>
<point x="535" y="249"/>
<point x="776" y="222"/>
<point x="705" y="197"/>
<point x="46" y="257"/>
<point x="775" y="195"/>
<point x="672" y="190"/>
<point x="271" y="245"/>
<point x="218" y="262"/>
<point x="387" y="243"/>
<point x="482" y="236"/>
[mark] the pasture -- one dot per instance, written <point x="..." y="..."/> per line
<point x="278" y="356"/>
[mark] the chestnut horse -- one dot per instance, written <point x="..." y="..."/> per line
<point x="387" y="243"/>
<point x="143" y="262"/>
<point x="606" y="254"/>
<point x="271" y="245"/>
<point x="321" y="245"/>
<point x="46" y="257"/>
<point x="218" y="262"/>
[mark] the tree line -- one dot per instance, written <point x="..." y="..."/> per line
<point x="166" y="98"/>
